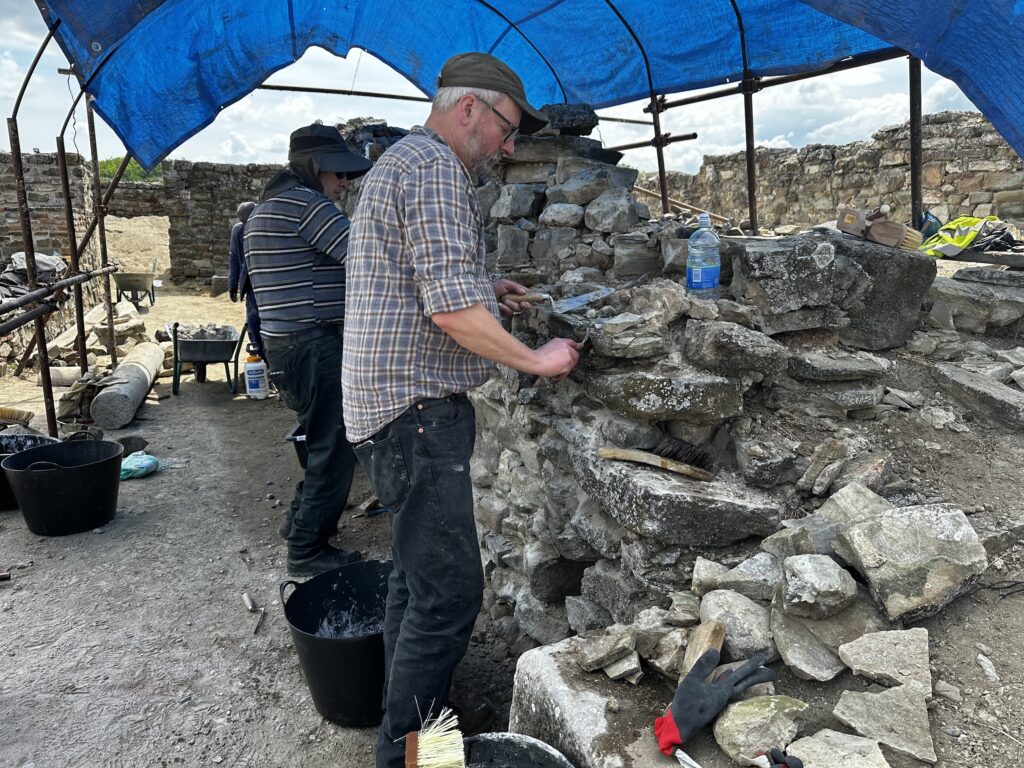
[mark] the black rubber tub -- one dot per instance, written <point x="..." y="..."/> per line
<point x="66" y="488"/>
<point x="336" y="620"/>
<point x="511" y="750"/>
<point x="10" y="444"/>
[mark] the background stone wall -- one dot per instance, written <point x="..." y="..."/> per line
<point x="968" y="170"/>
<point x="49" y="230"/>
<point x="199" y="199"/>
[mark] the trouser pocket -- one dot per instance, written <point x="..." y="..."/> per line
<point x="385" y="465"/>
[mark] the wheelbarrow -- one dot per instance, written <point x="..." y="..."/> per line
<point x="203" y="345"/>
<point x="137" y="285"/>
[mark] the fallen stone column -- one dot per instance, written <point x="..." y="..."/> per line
<point x="123" y="392"/>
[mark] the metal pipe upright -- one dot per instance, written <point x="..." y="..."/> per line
<point x="916" y="154"/>
<point x="100" y="213"/>
<point x="659" y="148"/>
<point x="748" y="122"/>
<point x="69" y="221"/>
<point x="30" y="269"/>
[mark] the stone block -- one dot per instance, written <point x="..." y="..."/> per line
<point x="750" y="728"/>
<point x="518" y="200"/>
<point x="755" y="577"/>
<point x="585" y="615"/>
<point x="612" y="211"/>
<point x="897" y="718"/>
<point x="582" y="187"/>
<point x="634" y="257"/>
<point x="981" y="394"/>
<point x="784" y="275"/>
<point x="815" y="587"/>
<point x="561" y="215"/>
<point x="976" y="306"/>
<point x="550" y="149"/>
<point x="747" y="624"/>
<point x="727" y="348"/>
<point x="837" y="366"/>
<point x="548" y="242"/>
<point x="218" y="285"/>
<point x="571" y="119"/>
<point x="527" y="173"/>
<point x="512" y="247"/>
<point x="569" y="166"/>
<point x="892" y="658"/>
<point x="671" y="509"/>
<point x="916" y="559"/>
<point x="683" y="394"/>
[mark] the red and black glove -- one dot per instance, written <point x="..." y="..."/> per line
<point x="779" y="759"/>
<point x="697" y="702"/>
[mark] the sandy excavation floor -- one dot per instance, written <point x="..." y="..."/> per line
<point x="130" y="646"/>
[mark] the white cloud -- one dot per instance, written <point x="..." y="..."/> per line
<point x="11" y="76"/>
<point x="944" y="94"/>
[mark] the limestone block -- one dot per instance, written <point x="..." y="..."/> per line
<point x="982" y="394"/>
<point x="611" y="211"/>
<point x="897" y="718"/>
<point x="915" y="559"/>
<point x="750" y="728"/>
<point x="892" y="658"/>
<point x="727" y="348"/>
<point x="747" y="624"/>
<point x="561" y="215"/>
<point x="517" y="201"/>
<point x="814" y="586"/>
<point x="678" y="394"/>
<point x="670" y="509"/>
<point x="755" y="577"/>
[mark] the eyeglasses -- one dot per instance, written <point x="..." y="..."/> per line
<point x="513" y="130"/>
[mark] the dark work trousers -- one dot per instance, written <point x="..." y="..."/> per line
<point x="419" y="468"/>
<point x="308" y="377"/>
<point x="252" y="319"/>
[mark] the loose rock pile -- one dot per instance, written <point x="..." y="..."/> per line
<point x="812" y="328"/>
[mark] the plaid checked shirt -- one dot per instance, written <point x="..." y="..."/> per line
<point x="416" y="248"/>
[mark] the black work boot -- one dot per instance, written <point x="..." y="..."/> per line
<point x="323" y="560"/>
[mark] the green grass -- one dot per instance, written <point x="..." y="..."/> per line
<point x="133" y="172"/>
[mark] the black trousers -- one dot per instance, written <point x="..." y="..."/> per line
<point x="419" y="468"/>
<point x="308" y="377"/>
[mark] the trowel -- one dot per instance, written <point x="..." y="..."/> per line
<point x="563" y="306"/>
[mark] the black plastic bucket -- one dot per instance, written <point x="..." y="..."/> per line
<point x="68" y="487"/>
<point x="345" y="673"/>
<point x="11" y="444"/>
<point x="512" y="750"/>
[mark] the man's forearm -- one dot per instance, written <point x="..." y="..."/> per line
<point x="477" y="330"/>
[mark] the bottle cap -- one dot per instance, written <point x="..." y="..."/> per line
<point x="704" y="220"/>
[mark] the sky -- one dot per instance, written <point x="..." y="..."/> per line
<point x="834" y="109"/>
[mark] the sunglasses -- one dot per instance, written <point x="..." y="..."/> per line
<point x="341" y="176"/>
<point x="512" y="130"/>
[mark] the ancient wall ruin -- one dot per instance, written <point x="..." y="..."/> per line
<point x="969" y="170"/>
<point x="49" y="229"/>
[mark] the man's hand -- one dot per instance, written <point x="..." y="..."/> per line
<point x="506" y="291"/>
<point x="697" y="702"/>
<point x="557" y="358"/>
<point x="233" y="294"/>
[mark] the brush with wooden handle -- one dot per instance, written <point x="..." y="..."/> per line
<point x="437" y="745"/>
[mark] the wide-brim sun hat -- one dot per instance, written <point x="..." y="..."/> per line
<point x="326" y="146"/>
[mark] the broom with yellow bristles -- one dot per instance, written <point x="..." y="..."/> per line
<point x="437" y="745"/>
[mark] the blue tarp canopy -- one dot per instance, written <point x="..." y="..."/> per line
<point x="161" y="70"/>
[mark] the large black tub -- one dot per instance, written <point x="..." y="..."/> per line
<point x="66" y="488"/>
<point x="511" y="750"/>
<point x="336" y="620"/>
<point x="10" y="444"/>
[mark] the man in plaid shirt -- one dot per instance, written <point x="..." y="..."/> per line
<point x="422" y="327"/>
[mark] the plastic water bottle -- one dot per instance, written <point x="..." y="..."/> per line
<point x="703" y="261"/>
<point x="257" y="385"/>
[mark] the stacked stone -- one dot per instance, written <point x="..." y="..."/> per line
<point x="969" y="170"/>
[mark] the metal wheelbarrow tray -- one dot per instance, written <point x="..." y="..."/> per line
<point x="204" y="344"/>
<point x="136" y="285"/>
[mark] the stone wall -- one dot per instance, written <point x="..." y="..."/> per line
<point x="49" y="230"/>
<point x="969" y="169"/>
<point x="199" y="199"/>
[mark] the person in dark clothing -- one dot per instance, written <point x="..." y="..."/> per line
<point x="238" y="278"/>
<point x="296" y="244"/>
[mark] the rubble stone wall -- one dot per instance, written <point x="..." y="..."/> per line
<point x="969" y="169"/>
<point x="199" y="199"/>
<point x="49" y="230"/>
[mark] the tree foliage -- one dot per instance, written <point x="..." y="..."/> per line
<point x="133" y="172"/>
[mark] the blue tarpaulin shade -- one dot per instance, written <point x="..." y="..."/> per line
<point x="161" y="70"/>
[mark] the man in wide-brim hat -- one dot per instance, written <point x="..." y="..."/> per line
<point x="296" y="244"/>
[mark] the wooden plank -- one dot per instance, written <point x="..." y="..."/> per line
<point x="708" y="635"/>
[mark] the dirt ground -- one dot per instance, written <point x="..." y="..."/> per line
<point x="131" y="646"/>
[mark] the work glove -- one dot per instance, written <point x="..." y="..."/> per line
<point x="697" y="702"/>
<point x="233" y="294"/>
<point x="778" y="759"/>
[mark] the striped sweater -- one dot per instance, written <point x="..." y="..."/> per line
<point x="295" y="249"/>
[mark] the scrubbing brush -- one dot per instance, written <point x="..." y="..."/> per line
<point x="437" y="745"/>
<point x="10" y="415"/>
<point x="671" y="453"/>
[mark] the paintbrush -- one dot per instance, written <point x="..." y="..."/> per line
<point x="437" y="745"/>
